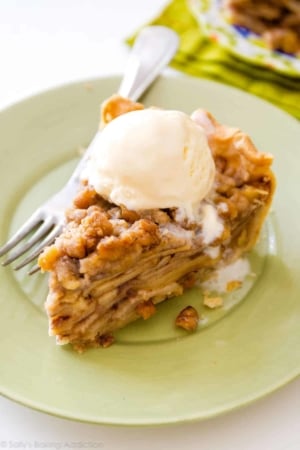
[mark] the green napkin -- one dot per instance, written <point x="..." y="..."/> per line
<point x="198" y="56"/>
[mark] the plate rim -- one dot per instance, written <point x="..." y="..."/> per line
<point x="162" y="423"/>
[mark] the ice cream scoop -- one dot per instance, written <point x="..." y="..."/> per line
<point x="152" y="158"/>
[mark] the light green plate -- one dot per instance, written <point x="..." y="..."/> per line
<point x="241" y="41"/>
<point x="154" y="374"/>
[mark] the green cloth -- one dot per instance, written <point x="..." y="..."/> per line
<point x="198" y="56"/>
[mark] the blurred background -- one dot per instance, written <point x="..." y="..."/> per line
<point x="49" y="42"/>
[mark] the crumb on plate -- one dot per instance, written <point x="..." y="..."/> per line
<point x="188" y="319"/>
<point x="212" y="302"/>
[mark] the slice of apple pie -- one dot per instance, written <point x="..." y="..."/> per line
<point x="152" y="225"/>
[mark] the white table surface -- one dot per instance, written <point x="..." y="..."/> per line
<point x="50" y="42"/>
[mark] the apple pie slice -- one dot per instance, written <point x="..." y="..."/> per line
<point x="113" y="264"/>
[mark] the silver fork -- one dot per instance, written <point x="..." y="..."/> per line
<point x="153" y="49"/>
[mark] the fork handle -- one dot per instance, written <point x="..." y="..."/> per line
<point x="153" y="50"/>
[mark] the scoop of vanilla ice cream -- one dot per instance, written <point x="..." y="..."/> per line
<point x="152" y="158"/>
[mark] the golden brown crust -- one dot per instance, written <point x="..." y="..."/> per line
<point x="116" y="106"/>
<point x="244" y="179"/>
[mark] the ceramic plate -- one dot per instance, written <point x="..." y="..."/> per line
<point x="241" y="41"/>
<point x="154" y="374"/>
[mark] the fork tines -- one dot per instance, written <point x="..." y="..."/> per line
<point x="40" y="231"/>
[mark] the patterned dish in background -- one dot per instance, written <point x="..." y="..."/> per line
<point x="241" y="41"/>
